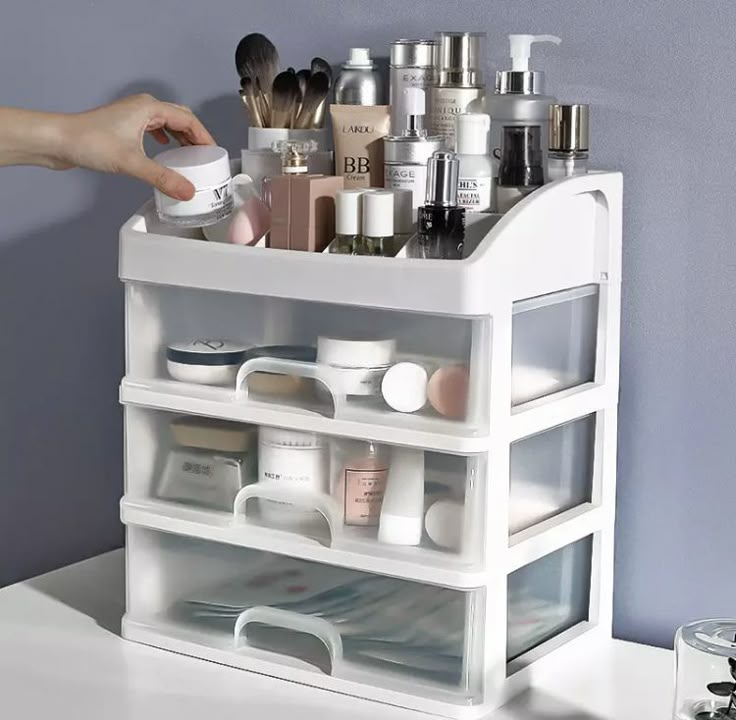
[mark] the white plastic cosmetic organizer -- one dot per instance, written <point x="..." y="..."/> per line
<point x="533" y="313"/>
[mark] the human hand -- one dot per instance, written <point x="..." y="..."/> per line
<point x="110" y="139"/>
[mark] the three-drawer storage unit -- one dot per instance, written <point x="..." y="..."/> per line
<point x="292" y="523"/>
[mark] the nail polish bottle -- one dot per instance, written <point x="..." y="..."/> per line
<point x="441" y="222"/>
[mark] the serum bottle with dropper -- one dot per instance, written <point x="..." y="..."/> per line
<point x="441" y="222"/>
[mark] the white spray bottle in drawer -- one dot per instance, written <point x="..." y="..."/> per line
<point x="519" y="98"/>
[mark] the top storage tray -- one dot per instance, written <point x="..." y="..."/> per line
<point x="559" y="237"/>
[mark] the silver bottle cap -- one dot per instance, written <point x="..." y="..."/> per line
<point x="413" y="53"/>
<point x="442" y="174"/>
<point x="519" y="82"/>
<point x="569" y="128"/>
<point x="460" y="58"/>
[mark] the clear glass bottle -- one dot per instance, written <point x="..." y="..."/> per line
<point x="377" y="236"/>
<point x="359" y="480"/>
<point x="706" y="670"/>
<point x="348" y="219"/>
<point x="294" y="157"/>
<point x="569" y="140"/>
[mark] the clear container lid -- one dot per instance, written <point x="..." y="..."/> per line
<point x="715" y="637"/>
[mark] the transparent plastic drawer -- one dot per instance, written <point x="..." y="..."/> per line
<point x="407" y="369"/>
<point x="553" y="344"/>
<point x="356" y="495"/>
<point x="551" y="472"/>
<point x="548" y="597"/>
<point x="276" y="614"/>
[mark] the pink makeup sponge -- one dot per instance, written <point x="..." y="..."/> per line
<point x="447" y="391"/>
<point x="250" y="222"/>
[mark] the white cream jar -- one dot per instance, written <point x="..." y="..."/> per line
<point x="207" y="167"/>
<point x="361" y="364"/>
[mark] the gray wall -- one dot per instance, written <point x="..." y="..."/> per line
<point x="660" y="76"/>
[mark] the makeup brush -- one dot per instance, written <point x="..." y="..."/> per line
<point x="257" y="57"/>
<point x="319" y="64"/>
<point x="285" y="98"/>
<point x="303" y="77"/>
<point x="317" y="89"/>
<point x="248" y="96"/>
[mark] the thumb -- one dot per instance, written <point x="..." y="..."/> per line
<point x="162" y="178"/>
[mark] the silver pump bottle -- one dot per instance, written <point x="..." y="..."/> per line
<point x="519" y="98"/>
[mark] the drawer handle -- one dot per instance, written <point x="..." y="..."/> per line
<point x="321" y="503"/>
<point x="316" y="627"/>
<point x="324" y="374"/>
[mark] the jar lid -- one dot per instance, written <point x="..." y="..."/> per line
<point x="301" y="353"/>
<point x="205" y="166"/>
<point x="341" y="352"/>
<point x="404" y="387"/>
<point x="715" y="637"/>
<point x="290" y="438"/>
<point x="212" y="434"/>
<point x="206" y="352"/>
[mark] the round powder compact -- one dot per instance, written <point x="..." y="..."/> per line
<point x="448" y="391"/>
<point x="404" y="387"/>
<point x="205" y="362"/>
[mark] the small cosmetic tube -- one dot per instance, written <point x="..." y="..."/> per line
<point x="402" y="512"/>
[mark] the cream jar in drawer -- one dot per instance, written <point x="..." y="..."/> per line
<point x="356" y="632"/>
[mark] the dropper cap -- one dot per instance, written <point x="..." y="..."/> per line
<point x="520" y="80"/>
<point x="442" y="174"/>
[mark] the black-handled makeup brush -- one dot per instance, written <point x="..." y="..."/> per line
<point x="317" y="89"/>
<point x="285" y="99"/>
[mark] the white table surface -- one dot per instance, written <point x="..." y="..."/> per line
<point x="61" y="656"/>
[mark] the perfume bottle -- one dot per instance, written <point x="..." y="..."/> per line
<point x="294" y="156"/>
<point x="569" y="139"/>
<point x="441" y="222"/>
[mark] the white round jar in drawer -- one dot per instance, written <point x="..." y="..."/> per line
<point x="295" y="461"/>
<point x="361" y="364"/>
<point x="205" y="362"/>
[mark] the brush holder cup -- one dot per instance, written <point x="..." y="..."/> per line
<point x="706" y="671"/>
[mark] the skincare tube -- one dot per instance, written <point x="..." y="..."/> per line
<point x="359" y="131"/>
<point x="402" y="512"/>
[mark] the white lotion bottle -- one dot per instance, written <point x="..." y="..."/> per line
<point x="402" y="512"/>
<point x="519" y="98"/>
<point x="477" y="171"/>
<point x="405" y="156"/>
